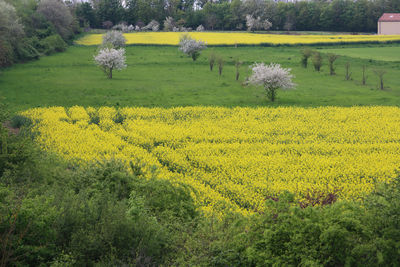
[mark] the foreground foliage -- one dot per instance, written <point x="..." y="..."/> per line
<point x="57" y="214"/>
<point x="52" y="213"/>
<point x="233" y="38"/>
<point x="235" y="158"/>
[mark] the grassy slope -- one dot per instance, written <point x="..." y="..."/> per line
<point x="163" y="76"/>
<point x="374" y="53"/>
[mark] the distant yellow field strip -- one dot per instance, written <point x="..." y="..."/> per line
<point x="235" y="158"/>
<point x="232" y="38"/>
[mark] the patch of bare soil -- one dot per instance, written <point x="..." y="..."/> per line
<point x="11" y="130"/>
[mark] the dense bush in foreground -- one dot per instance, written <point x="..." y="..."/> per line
<point x="59" y="214"/>
<point x="342" y="234"/>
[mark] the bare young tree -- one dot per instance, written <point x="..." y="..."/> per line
<point x="332" y="58"/>
<point x="211" y="60"/>
<point x="364" y="76"/>
<point x="380" y="74"/>
<point x="237" y="66"/>
<point x="317" y="61"/>
<point x="221" y="63"/>
<point x="272" y="77"/>
<point x="190" y="46"/>
<point x="348" y="71"/>
<point x="109" y="59"/>
<point x="306" y="53"/>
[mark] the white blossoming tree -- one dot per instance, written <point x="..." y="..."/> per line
<point x="169" y="24"/>
<point x="272" y="77"/>
<point x="114" y="38"/>
<point x="190" y="46"/>
<point x="200" y="28"/>
<point x="109" y="59"/>
<point x="257" y="24"/>
<point x="153" y="26"/>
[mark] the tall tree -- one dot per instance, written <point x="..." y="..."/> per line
<point x="110" y="10"/>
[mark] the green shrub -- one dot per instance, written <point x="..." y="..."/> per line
<point x="345" y="233"/>
<point x="52" y="44"/>
<point x="305" y="53"/>
<point x="6" y="54"/>
<point x="317" y="60"/>
<point x="51" y="213"/>
<point x="26" y="51"/>
<point x="18" y="121"/>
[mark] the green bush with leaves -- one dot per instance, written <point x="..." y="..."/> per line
<point x="345" y="233"/>
<point x="54" y="212"/>
<point x="53" y="44"/>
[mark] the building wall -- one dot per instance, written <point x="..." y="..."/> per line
<point x="389" y="27"/>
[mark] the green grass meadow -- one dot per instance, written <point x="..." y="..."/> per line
<point x="163" y="76"/>
<point x="372" y="53"/>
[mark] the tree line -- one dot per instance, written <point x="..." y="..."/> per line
<point x="321" y="15"/>
<point x="31" y="28"/>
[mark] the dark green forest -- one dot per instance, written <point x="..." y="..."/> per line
<point x="336" y="15"/>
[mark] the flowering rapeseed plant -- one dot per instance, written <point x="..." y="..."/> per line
<point x="234" y="38"/>
<point x="234" y="158"/>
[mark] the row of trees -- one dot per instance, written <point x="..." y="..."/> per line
<point x="30" y="28"/>
<point x="317" y="61"/>
<point x="336" y="15"/>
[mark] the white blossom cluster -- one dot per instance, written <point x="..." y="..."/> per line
<point x="153" y="26"/>
<point x="182" y="29"/>
<point x="271" y="76"/>
<point x="124" y="28"/>
<point x="191" y="47"/>
<point x="109" y="59"/>
<point x="257" y="23"/>
<point x="200" y="28"/>
<point x="115" y="38"/>
<point x="169" y="24"/>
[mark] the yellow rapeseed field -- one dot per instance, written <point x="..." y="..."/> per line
<point x="234" y="157"/>
<point x="232" y="38"/>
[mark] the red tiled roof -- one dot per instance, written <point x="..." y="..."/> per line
<point x="390" y="17"/>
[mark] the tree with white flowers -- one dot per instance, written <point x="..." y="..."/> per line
<point x="200" y="28"/>
<point x="169" y="24"/>
<point x="114" y="38"/>
<point x="190" y="46"/>
<point x="257" y="23"/>
<point x="153" y="26"/>
<point x="272" y="77"/>
<point x="110" y="59"/>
